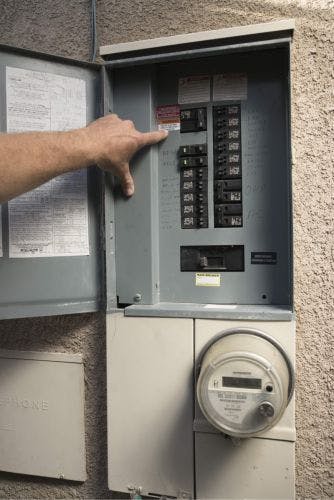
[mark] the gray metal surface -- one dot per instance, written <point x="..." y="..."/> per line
<point x="148" y="246"/>
<point x="137" y="218"/>
<point x="42" y="414"/>
<point x="56" y="285"/>
<point x="108" y="222"/>
<point x="248" y="468"/>
<point x="182" y="55"/>
<point x="212" y="311"/>
<point x="150" y="405"/>
<point x="202" y="36"/>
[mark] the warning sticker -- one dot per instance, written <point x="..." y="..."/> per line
<point x="230" y="87"/>
<point x="207" y="279"/>
<point x="168" y="117"/>
<point x="194" y="89"/>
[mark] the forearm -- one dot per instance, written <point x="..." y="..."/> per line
<point x="28" y="160"/>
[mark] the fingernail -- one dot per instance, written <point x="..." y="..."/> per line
<point x="165" y="132"/>
<point x="129" y="191"/>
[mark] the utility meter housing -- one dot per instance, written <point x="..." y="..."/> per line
<point x="245" y="383"/>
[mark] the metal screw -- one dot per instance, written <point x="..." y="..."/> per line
<point x="137" y="297"/>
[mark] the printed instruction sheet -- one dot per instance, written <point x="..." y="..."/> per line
<point x="194" y="89"/>
<point x="52" y="220"/>
<point x="230" y="87"/>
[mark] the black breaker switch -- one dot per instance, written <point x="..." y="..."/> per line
<point x="193" y="149"/>
<point x="194" y="161"/>
<point x="193" y="120"/>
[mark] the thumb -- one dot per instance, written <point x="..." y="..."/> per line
<point x="127" y="181"/>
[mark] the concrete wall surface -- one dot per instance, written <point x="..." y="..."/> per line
<point x="63" y="27"/>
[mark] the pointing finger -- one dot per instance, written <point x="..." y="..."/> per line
<point x="148" y="138"/>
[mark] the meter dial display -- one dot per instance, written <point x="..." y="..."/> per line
<point x="245" y="383"/>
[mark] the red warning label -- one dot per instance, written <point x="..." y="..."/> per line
<point x="168" y="117"/>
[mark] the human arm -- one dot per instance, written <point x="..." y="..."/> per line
<point x="29" y="159"/>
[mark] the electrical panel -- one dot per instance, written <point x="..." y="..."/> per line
<point x="203" y="265"/>
<point x="213" y="200"/>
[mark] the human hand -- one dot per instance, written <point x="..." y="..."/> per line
<point x="112" y="142"/>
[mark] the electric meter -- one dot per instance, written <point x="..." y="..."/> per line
<point x="245" y="383"/>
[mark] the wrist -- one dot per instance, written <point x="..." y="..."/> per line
<point x="83" y="154"/>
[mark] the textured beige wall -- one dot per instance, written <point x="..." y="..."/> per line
<point x="62" y="28"/>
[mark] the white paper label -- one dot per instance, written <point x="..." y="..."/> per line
<point x="194" y="89"/>
<point x="207" y="279"/>
<point x="230" y="87"/>
<point x="51" y="220"/>
<point x="1" y="252"/>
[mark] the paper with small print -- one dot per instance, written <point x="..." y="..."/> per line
<point x="52" y="220"/>
<point x="194" y="89"/>
<point x="230" y="87"/>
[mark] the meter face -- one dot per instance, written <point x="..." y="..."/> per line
<point x="236" y="398"/>
<point x="243" y="385"/>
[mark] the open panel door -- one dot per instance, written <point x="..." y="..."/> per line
<point x="50" y="260"/>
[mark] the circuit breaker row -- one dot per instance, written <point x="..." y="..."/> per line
<point x="227" y="169"/>
<point x="227" y="166"/>
<point x="194" y="172"/>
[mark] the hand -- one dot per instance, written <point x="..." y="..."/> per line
<point x="112" y="142"/>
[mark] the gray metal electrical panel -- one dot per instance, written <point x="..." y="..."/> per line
<point x="211" y="220"/>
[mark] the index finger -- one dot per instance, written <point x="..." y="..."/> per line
<point x="154" y="137"/>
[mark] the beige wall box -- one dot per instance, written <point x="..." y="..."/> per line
<point x="157" y="431"/>
<point x="42" y="414"/>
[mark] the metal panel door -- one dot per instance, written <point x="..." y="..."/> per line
<point x="41" y="286"/>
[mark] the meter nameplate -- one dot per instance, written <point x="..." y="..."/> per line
<point x="232" y="405"/>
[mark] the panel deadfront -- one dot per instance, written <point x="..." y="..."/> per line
<point x="211" y="217"/>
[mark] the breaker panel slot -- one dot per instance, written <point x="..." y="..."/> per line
<point x="212" y="258"/>
<point x="193" y="120"/>
<point x="193" y="163"/>
<point x="227" y="165"/>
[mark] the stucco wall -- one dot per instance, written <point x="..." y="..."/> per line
<point x="63" y="28"/>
